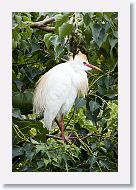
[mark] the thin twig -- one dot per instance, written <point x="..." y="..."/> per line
<point x="69" y="119"/>
<point x="95" y="82"/>
<point x="99" y="98"/>
<point x="78" y="137"/>
<point x="19" y="133"/>
<point x="53" y="136"/>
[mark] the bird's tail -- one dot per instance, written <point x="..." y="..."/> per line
<point x="54" y="125"/>
<point x="50" y="125"/>
<point x="39" y="98"/>
<point x="49" y="121"/>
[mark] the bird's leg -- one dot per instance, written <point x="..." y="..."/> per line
<point x="61" y="125"/>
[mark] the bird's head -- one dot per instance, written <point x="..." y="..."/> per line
<point x="82" y="60"/>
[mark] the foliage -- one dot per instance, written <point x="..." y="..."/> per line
<point x="92" y="122"/>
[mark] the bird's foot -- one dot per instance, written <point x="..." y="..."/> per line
<point x="64" y="139"/>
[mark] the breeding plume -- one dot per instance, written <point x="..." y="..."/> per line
<point x="57" y="90"/>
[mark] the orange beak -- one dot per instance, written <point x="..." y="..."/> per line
<point x="92" y="66"/>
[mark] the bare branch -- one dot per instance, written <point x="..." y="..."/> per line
<point x="48" y="21"/>
<point x="43" y="25"/>
<point x="48" y="29"/>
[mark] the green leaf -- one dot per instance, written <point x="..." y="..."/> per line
<point x="33" y="132"/>
<point x="58" y="51"/>
<point x="99" y="34"/>
<point x="104" y="164"/>
<point x="14" y="44"/>
<point x="46" y="40"/>
<point x="106" y="113"/>
<point x="16" y="36"/>
<point x="92" y="116"/>
<point x="19" y="84"/>
<point x="108" y="144"/>
<point x="99" y="15"/>
<point x="40" y="164"/>
<point x="60" y="19"/>
<point x="106" y="46"/>
<point x="88" y="36"/>
<point x="25" y="45"/>
<point x="26" y="19"/>
<point x="101" y="81"/>
<point x="35" y="47"/>
<point x="29" y="31"/>
<point x="112" y="62"/>
<point x="31" y="72"/>
<point x="27" y="147"/>
<point x="29" y="155"/>
<point x="18" y="18"/>
<point x="115" y="33"/>
<point x="17" y="151"/>
<point x="55" y="40"/>
<point x="40" y="147"/>
<point x="34" y="142"/>
<point x="92" y="161"/>
<point x="108" y="81"/>
<point x="28" y="151"/>
<point x="111" y="94"/>
<point x="23" y="101"/>
<point x="47" y="161"/>
<point x="86" y="19"/>
<point x="83" y="132"/>
<point x="108" y="14"/>
<point x="93" y="106"/>
<point x="26" y="125"/>
<point x="94" y="145"/>
<point x="16" y="113"/>
<point x="65" y="29"/>
<point x="101" y="90"/>
<point x="112" y="42"/>
<point x="79" y="103"/>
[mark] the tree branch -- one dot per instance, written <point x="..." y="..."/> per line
<point x="68" y="138"/>
<point x="43" y="25"/>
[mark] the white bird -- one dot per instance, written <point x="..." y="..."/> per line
<point x="57" y="90"/>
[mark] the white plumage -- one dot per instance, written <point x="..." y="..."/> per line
<point x="57" y="90"/>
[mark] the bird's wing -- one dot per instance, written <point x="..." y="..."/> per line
<point x="51" y="93"/>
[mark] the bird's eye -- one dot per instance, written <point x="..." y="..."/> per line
<point x="84" y="63"/>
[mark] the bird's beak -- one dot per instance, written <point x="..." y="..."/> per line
<point x="92" y="66"/>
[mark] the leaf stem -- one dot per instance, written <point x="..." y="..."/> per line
<point x="99" y="166"/>
<point x="19" y="135"/>
<point x="99" y="98"/>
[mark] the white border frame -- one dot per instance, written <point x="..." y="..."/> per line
<point x="123" y="174"/>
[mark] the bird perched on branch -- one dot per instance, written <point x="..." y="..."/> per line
<point x="57" y="90"/>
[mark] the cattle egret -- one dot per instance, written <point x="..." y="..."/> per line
<point x="57" y="90"/>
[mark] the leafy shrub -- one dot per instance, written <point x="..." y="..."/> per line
<point x="92" y="122"/>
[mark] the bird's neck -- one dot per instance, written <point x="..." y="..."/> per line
<point x="76" y="66"/>
<point x="79" y="78"/>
